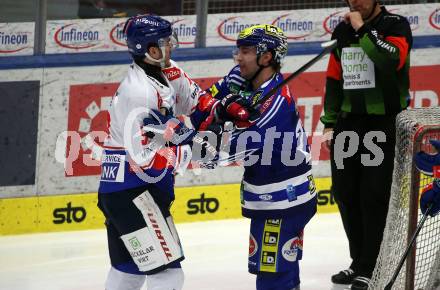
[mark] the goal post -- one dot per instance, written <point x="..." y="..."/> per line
<point x="414" y="129"/>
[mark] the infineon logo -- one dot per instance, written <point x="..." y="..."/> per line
<point x="184" y="31"/>
<point x="294" y="28"/>
<point x="331" y="21"/>
<point x="434" y="19"/>
<point x="117" y="35"/>
<point x="72" y="37"/>
<point x="13" y="42"/>
<point x="413" y="20"/>
<point x="230" y="28"/>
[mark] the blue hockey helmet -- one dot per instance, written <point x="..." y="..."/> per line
<point x="142" y="31"/>
<point x="265" y="38"/>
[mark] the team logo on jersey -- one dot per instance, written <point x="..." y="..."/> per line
<point x="234" y="89"/>
<point x="214" y="90"/>
<point x="172" y="73"/>
<point x="265" y="197"/>
<point x="312" y="185"/>
<point x="270" y="238"/>
<point x="253" y="246"/>
<point x="113" y="168"/>
<point x="273" y="222"/>
<point x="256" y="97"/>
<point x="268" y="258"/>
<point x="291" y="192"/>
<point x="134" y="243"/>
<point x="266" y="104"/>
<point x="291" y="248"/>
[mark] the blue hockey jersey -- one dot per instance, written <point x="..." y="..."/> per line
<point x="278" y="179"/>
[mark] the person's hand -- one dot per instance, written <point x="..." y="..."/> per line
<point x="167" y="129"/>
<point x="355" y="19"/>
<point x="327" y="142"/>
<point x="234" y="108"/>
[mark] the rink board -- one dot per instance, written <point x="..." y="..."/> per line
<point x="79" y="211"/>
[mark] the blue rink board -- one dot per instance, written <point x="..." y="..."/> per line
<point x="182" y="54"/>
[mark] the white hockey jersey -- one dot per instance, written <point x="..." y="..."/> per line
<point x="128" y="153"/>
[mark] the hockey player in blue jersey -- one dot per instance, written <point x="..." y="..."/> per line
<point x="277" y="191"/>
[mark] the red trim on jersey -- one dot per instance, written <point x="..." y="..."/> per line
<point x="186" y="76"/>
<point x="402" y="45"/>
<point x="159" y="100"/>
<point x="285" y="93"/>
<point x="334" y="68"/>
<point x="436" y="171"/>
<point x="266" y="104"/>
<point x="179" y="155"/>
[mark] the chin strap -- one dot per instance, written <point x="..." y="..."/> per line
<point x="161" y="61"/>
<point x="260" y="68"/>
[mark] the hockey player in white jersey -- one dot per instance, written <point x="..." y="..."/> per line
<point x="136" y="187"/>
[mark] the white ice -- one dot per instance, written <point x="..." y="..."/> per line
<point x="216" y="257"/>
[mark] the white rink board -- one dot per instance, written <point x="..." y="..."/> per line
<point x="17" y="38"/>
<point x="222" y="29"/>
<point x="92" y="35"/>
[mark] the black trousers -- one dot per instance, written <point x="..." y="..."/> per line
<point x="362" y="190"/>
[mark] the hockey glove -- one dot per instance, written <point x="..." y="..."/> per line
<point x="431" y="195"/>
<point x="171" y="131"/>
<point x="204" y="113"/>
<point x="235" y="108"/>
<point x="168" y="129"/>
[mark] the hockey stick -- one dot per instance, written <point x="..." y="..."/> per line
<point x="327" y="46"/>
<point x="408" y="248"/>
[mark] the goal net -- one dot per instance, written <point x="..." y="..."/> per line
<point x="415" y="128"/>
